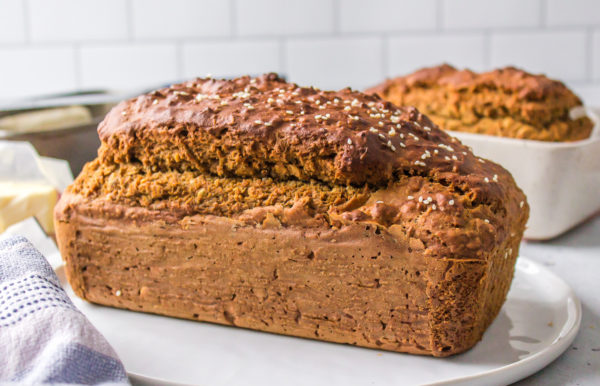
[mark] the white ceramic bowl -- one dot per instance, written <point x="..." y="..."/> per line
<point x="561" y="180"/>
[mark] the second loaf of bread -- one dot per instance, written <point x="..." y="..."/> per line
<point x="506" y="102"/>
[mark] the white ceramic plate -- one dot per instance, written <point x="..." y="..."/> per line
<point x="537" y="323"/>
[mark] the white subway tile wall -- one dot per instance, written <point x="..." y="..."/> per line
<point x="12" y="20"/>
<point x="335" y="62"/>
<point x="573" y="12"/>
<point x="407" y="54"/>
<point x="127" y="66"/>
<point x="387" y="15"/>
<point x="283" y="17"/>
<point x="76" y="20"/>
<point x="468" y="14"/>
<point x="560" y="54"/>
<point x="36" y="70"/>
<point x="596" y="56"/>
<point x="172" y="19"/>
<point x="65" y="45"/>
<point x="230" y="58"/>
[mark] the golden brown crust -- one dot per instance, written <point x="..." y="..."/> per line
<point x="266" y="127"/>
<point x="451" y="222"/>
<point x="505" y="102"/>
<point x="356" y="284"/>
<point x="246" y="129"/>
<point x="315" y="185"/>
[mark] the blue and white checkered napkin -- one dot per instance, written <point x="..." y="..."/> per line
<point x="43" y="337"/>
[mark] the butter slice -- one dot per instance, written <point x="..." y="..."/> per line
<point x="46" y="120"/>
<point x="21" y="200"/>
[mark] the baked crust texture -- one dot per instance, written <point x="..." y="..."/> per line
<point x="506" y="102"/>
<point x="261" y="204"/>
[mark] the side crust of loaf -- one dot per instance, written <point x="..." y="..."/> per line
<point x="359" y="284"/>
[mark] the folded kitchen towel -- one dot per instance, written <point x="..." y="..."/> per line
<point x="43" y="337"/>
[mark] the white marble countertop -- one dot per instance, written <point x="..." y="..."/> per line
<point x="575" y="257"/>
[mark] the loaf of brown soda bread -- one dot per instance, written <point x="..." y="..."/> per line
<point x="506" y="102"/>
<point x="257" y="203"/>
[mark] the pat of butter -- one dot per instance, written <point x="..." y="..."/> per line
<point x="21" y="200"/>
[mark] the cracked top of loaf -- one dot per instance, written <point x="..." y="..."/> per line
<point x="266" y="152"/>
<point x="506" y="102"/>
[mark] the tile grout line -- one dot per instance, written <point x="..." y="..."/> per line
<point x="129" y="19"/>
<point x="26" y="21"/>
<point x="543" y="15"/>
<point x="315" y="36"/>
<point x="385" y="57"/>
<point x="439" y="16"/>
<point x="282" y="45"/>
<point x="487" y="49"/>
<point x="336" y="18"/>
<point x="233" y="28"/>
<point x="589" y="52"/>
<point x="155" y="41"/>
<point x="179" y="70"/>
<point x="77" y="59"/>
